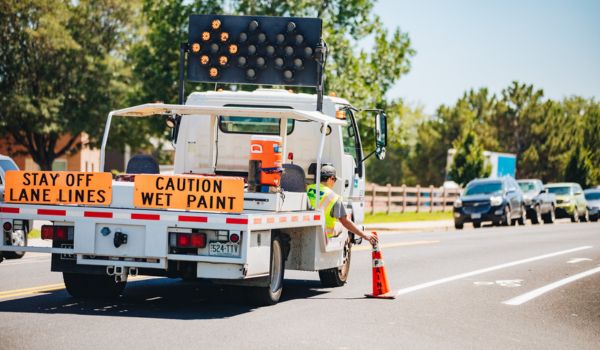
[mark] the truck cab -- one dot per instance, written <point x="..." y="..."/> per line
<point x="220" y="144"/>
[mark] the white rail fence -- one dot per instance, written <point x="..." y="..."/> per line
<point x="400" y="199"/>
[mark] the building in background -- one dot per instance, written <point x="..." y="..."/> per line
<point x="86" y="159"/>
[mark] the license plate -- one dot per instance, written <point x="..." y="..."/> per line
<point x="224" y="249"/>
<point x="476" y="216"/>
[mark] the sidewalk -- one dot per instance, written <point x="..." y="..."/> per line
<point x="412" y="226"/>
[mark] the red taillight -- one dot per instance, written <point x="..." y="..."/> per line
<point x="47" y="232"/>
<point x="7" y="226"/>
<point x="59" y="233"/>
<point x="183" y="240"/>
<point x="198" y="240"/>
<point x="234" y="237"/>
<point x="190" y="240"/>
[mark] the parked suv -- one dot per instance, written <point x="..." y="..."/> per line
<point x="539" y="204"/>
<point x="592" y="196"/>
<point x="570" y="202"/>
<point x="497" y="200"/>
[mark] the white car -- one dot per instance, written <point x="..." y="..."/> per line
<point x="14" y="231"/>
<point x="6" y="163"/>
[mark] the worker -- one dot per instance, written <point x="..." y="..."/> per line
<point x="334" y="209"/>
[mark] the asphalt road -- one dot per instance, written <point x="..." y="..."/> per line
<point x="492" y="288"/>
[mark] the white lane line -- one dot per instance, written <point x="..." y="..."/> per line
<point x="487" y="269"/>
<point x="578" y="260"/>
<point x="521" y="299"/>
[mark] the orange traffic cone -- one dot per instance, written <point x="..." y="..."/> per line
<point x="381" y="288"/>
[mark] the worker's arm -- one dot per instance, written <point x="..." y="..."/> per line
<point x="351" y="226"/>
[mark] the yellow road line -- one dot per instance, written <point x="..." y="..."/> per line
<point x="32" y="289"/>
<point x="48" y="288"/>
<point x="397" y="244"/>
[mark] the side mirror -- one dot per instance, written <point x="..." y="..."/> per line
<point x="380" y="134"/>
<point x="544" y="190"/>
<point x="578" y="193"/>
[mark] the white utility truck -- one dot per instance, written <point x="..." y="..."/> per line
<point x="208" y="220"/>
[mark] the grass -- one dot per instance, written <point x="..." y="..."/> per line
<point x="33" y="234"/>
<point x="404" y="217"/>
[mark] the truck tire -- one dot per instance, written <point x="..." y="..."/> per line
<point x="337" y="276"/>
<point x="458" y="225"/>
<point x="92" y="286"/>
<point x="19" y="241"/>
<point x="270" y="295"/>
<point x="549" y="216"/>
<point x="476" y="224"/>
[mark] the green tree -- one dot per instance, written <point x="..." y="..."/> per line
<point x="579" y="168"/>
<point x="468" y="162"/>
<point x="61" y="71"/>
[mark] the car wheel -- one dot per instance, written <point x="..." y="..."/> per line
<point x="458" y="225"/>
<point x="506" y="220"/>
<point x="477" y="224"/>
<point x="521" y="219"/>
<point x="549" y="216"/>
<point x="575" y="216"/>
<point x="18" y="239"/>
<point x="586" y="216"/>
<point x="537" y="216"/>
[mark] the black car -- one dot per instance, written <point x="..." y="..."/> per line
<point x="592" y="196"/>
<point x="539" y="204"/>
<point x="499" y="201"/>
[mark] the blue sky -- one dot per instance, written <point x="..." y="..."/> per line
<point x="464" y="44"/>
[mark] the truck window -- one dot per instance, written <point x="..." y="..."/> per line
<point x="253" y="125"/>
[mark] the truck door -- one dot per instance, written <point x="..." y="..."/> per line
<point x="353" y="175"/>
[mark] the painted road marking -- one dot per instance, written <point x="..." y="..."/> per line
<point x="487" y="269"/>
<point x="7" y="294"/>
<point x="501" y="283"/>
<point x="392" y="245"/>
<point x="578" y="260"/>
<point x="521" y="299"/>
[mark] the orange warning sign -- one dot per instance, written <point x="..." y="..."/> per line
<point x="58" y="187"/>
<point x="206" y="193"/>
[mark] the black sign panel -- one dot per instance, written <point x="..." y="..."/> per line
<point x="253" y="49"/>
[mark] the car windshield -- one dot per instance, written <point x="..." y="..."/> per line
<point x="527" y="186"/>
<point x="592" y="196"/>
<point x="7" y="165"/>
<point x="484" y="188"/>
<point x="559" y="190"/>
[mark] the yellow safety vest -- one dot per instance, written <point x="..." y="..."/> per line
<point x="327" y="199"/>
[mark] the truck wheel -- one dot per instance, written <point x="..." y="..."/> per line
<point x="536" y="218"/>
<point x="549" y="216"/>
<point x="92" y="286"/>
<point x="337" y="276"/>
<point x="19" y="239"/>
<point x="270" y="294"/>
<point x="477" y="224"/>
<point x="458" y="225"/>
